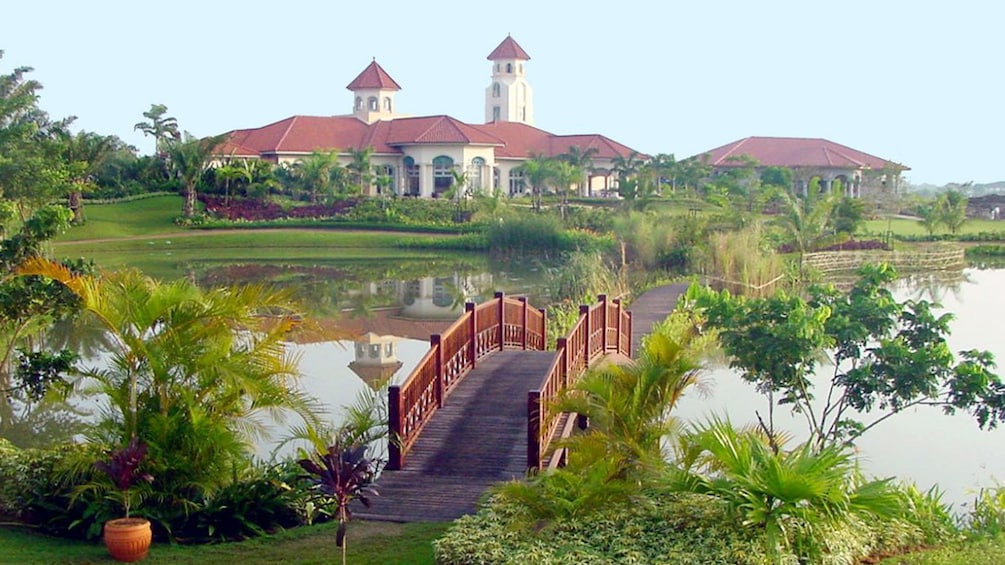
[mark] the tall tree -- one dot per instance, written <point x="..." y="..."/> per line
<point x="805" y="219"/>
<point x="189" y="159"/>
<point x="538" y="170"/>
<point x="84" y="154"/>
<point x="583" y="160"/>
<point x="952" y="210"/>
<point x="31" y="170"/>
<point x="163" y="128"/>
<point x="887" y="356"/>
<point x="564" y="176"/>
<point x="360" y="168"/>
<point x="316" y="171"/>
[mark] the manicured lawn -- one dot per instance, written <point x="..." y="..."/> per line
<point x="128" y="219"/>
<point x="905" y="226"/>
<point x="369" y="543"/>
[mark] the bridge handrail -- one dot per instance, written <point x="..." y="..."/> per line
<point x="500" y="323"/>
<point x="605" y="327"/>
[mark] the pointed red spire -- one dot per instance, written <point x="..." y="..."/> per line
<point x="373" y="77"/>
<point x="509" y="49"/>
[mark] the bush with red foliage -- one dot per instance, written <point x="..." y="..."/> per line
<point x="257" y="210"/>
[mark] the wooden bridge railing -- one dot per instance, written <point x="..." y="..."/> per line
<point x="605" y="327"/>
<point x="500" y="323"/>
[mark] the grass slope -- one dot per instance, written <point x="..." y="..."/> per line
<point x="128" y="219"/>
<point x="369" y="543"/>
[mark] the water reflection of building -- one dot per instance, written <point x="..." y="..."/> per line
<point x="376" y="359"/>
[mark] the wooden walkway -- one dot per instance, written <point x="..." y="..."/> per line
<point x="479" y="437"/>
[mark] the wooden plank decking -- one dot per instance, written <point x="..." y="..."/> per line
<point x="652" y="307"/>
<point x="477" y="439"/>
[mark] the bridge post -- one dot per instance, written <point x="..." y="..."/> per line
<point x="562" y="346"/>
<point x="469" y="310"/>
<point x="584" y="312"/>
<point x="523" y="322"/>
<point x="544" y="329"/>
<point x="534" y="429"/>
<point x="394" y="458"/>
<point x="435" y="342"/>
<point x="617" y="316"/>
<point x="502" y="319"/>
<point x="604" y="322"/>
<point x="631" y="325"/>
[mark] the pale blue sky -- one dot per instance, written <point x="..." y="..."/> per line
<point x="918" y="83"/>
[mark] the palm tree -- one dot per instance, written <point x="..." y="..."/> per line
<point x="84" y="153"/>
<point x="564" y="176"/>
<point x="360" y="168"/>
<point x="788" y="494"/>
<point x="804" y="220"/>
<point x="582" y="159"/>
<point x="538" y="170"/>
<point x="315" y="172"/>
<point x="164" y="129"/>
<point x="230" y="172"/>
<point x="187" y="365"/>
<point x="630" y="407"/>
<point x="189" y="159"/>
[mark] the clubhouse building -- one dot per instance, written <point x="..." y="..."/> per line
<point x="418" y="154"/>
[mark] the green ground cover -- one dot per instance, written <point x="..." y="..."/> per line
<point x="911" y="227"/>
<point x="369" y="543"/>
<point x="128" y="219"/>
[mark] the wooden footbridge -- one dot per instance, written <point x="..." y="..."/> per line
<point x="474" y="411"/>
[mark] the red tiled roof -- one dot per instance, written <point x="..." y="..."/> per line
<point x="437" y="129"/>
<point x="508" y="49"/>
<point x="797" y="152"/>
<point x="375" y="77"/>
<point x="304" y="134"/>
<point x="522" y="140"/>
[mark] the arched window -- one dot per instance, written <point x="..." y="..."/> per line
<point x="495" y="90"/>
<point x="387" y="103"/>
<point x="475" y="173"/>
<point x="371" y="103"/>
<point x="496" y="113"/>
<point x="442" y="174"/>
<point x="359" y="103"/>
<point x="411" y="177"/>
<point x="516" y="181"/>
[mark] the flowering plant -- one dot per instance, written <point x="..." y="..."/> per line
<point x="122" y="467"/>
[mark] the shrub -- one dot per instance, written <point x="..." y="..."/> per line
<point x="681" y="529"/>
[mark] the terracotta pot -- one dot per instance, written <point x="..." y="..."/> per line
<point x="128" y="539"/>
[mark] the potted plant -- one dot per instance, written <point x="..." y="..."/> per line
<point x="340" y="474"/>
<point x="127" y="539"/>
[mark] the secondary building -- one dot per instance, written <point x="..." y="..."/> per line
<point x="860" y="174"/>
<point x="418" y="155"/>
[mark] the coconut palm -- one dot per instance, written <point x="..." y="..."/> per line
<point x="315" y="172"/>
<point x="805" y="220"/>
<point x="360" y="168"/>
<point x="189" y="159"/>
<point x="230" y="172"/>
<point x="583" y="160"/>
<point x="564" y="177"/>
<point x="84" y="153"/>
<point x="538" y="170"/>
<point x="164" y="129"/>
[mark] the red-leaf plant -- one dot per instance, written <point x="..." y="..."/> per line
<point x="122" y="467"/>
<point x="340" y="475"/>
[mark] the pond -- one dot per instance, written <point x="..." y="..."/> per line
<point x="396" y="314"/>
<point x="921" y="444"/>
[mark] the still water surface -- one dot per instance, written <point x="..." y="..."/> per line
<point x="922" y="444"/>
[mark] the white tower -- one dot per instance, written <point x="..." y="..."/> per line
<point x="508" y="98"/>
<point x="373" y="94"/>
